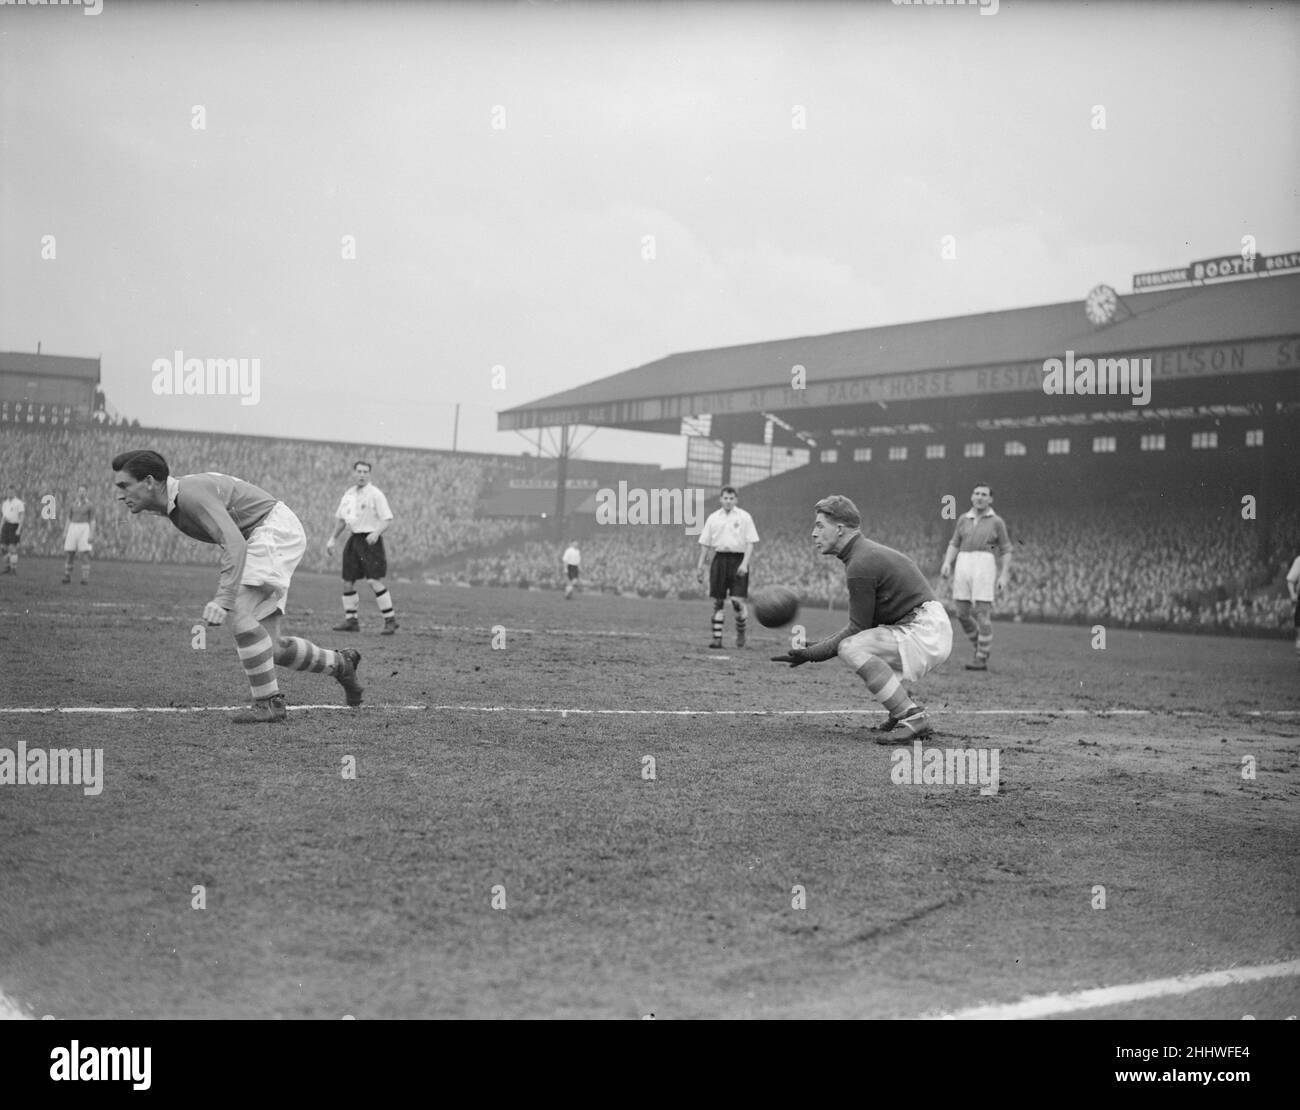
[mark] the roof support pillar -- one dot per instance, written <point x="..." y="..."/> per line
<point x="561" y="481"/>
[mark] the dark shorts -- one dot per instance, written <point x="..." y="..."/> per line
<point x="8" y="533"/>
<point x="723" y="578"/>
<point x="363" y="560"/>
<point x="1297" y="612"/>
<point x="573" y="572"/>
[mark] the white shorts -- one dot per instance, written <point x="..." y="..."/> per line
<point x="913" y="647"/>
<point x="975" y="576"/>
<point x="78" y="537"/>
<point x="273" y="553"/>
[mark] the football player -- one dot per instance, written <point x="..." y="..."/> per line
<point x="364" y="512"/>
<point x="982" y="550"/>
<point x="261" y="543"/>
<point x="897" y="627"/>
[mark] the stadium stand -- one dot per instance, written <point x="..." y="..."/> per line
<point x="1167" y="565"/>
<point x="434" y="495"/>
<point x="1199" y="577"/>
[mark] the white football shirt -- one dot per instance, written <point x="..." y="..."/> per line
<point x="729" y="531"/>
<point x="363" y="509"/>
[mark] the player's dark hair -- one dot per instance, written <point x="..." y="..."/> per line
<point x="362" y="462"/>
<point x="141" y="465"/>
<point x="840" y="509"/>
<point x="728" y="489"/>
<point x="982" y="485"/>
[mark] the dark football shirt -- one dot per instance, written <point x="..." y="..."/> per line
<point x="884" y="587"/>
<point x="216" y="508"/>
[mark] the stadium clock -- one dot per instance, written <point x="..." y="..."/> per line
<point x="1101" y="305"/>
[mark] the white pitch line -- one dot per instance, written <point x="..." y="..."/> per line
<point x="1047" y="1005"/>
<point x="9" y="1011"/>
<point x="869" y="711"/>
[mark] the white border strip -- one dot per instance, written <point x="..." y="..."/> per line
<point x="9" y="1011"/>
<point x="1047" y="1005"/>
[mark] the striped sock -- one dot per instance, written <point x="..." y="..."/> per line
<point x="385" y="602"/>
<point x="297" y="654"/>
<point x="985" y="640"/>
<point x="350" y="605"/>
<point x="257" y="657"/>
<point x="717" y="624"/>
<point x="885" y="687"/>
<point x="742" y="615"/>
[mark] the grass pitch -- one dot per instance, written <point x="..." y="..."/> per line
<point x="520" y="777"/>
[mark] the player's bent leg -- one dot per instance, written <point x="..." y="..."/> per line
<point x="297" y="654"/>
<point x="742" y="617"/>
<point x="350" y="606"/>
<point x="984" y="638"/>
<point x="874" y="656"/>
<point x="715" y="622"/>
<point x="967" y="621"/>
<point x="385" y="602"/>
<point x="256" y="650"/>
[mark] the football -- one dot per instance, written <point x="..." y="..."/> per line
<point x="775" y="606"/>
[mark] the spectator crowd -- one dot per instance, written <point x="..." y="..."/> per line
<point x="1162" y="565"/>
<point x="434" y="495"/>
<point x="1167" y="568"/>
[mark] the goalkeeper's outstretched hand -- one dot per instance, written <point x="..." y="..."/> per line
<point x="795" y="657"/>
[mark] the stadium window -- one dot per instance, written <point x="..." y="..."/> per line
<point x="973" y="450"/>
<point x="1154" y="442"/>
<point x="1014" y="447"/>
<point x="897" y="454"/>
<point x="1254" y="437"/>
<point x="862" y="454"/>
<point x="1205" y="441"/>
<point x="1058" y="446"/>
<point x="934" y="451"/>
<point x="1103" y="445"/>
<point x="830" y="455"/>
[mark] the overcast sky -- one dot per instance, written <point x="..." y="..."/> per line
<point x="523" y="246"/>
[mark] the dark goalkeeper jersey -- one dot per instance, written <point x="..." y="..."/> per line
<point x="884" y="587"/>
<point x="216" y="508"/>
